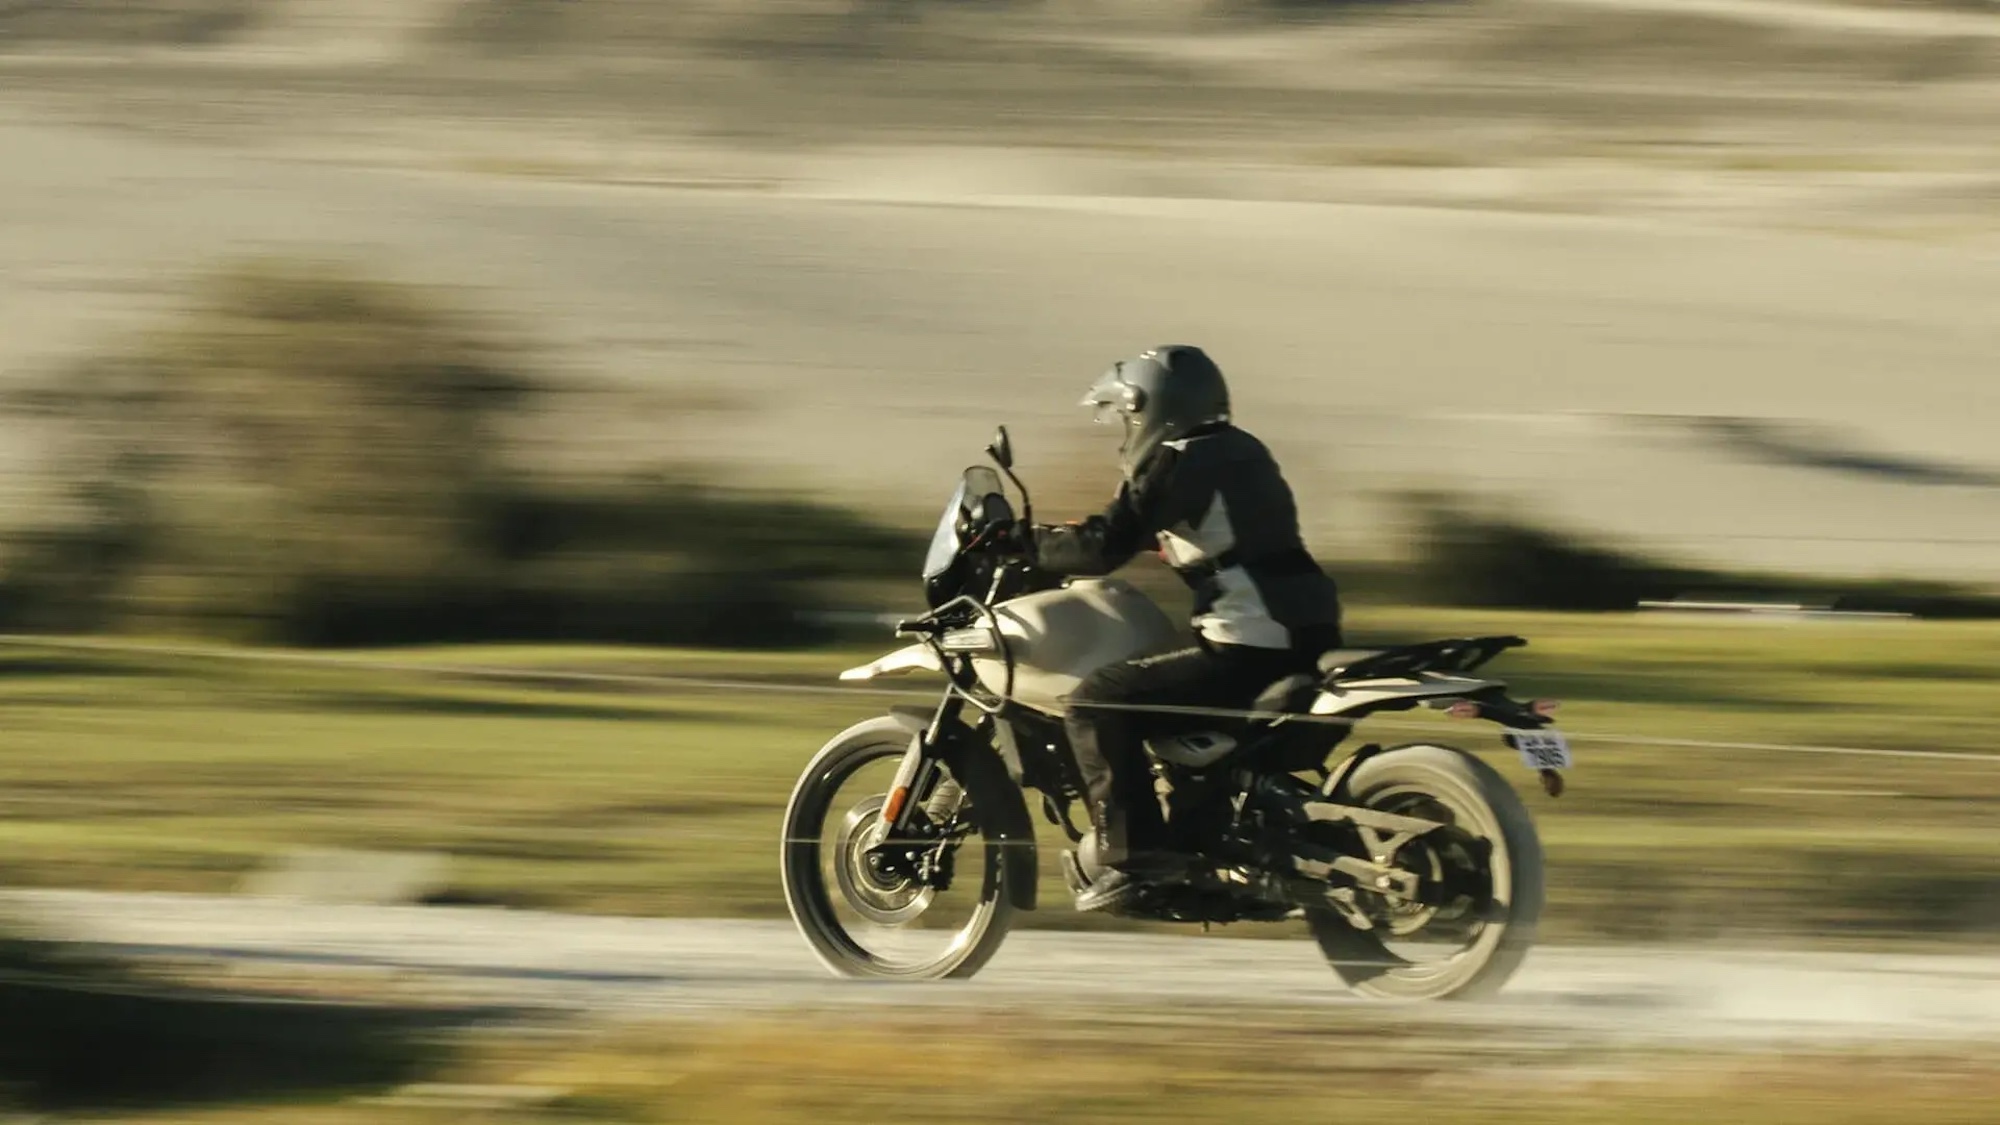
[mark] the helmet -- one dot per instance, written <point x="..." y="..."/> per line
<point x="1162" y="394"/>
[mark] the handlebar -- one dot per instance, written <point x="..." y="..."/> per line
<point x="1005" y="535"/>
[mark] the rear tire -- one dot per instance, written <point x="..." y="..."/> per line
<point x="1485" y="804"/>
<point x="811" y="900"/>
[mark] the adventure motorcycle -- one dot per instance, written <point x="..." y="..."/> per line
<point x="908" y="843"/>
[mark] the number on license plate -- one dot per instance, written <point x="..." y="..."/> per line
<point x="1541" y="749"/>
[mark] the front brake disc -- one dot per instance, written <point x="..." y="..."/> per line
<point x="877" y="893"/>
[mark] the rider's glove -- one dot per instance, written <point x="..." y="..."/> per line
<point x="1019" y="539"/>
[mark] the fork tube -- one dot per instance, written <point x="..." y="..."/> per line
<point x="919" y="763"/>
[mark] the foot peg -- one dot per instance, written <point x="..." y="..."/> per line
<point x="1112" y="894"/>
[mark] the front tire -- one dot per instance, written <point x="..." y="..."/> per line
<point x="816" y="901"/>
<point x="1481" y="805"/>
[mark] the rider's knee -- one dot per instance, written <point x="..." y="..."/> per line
<point x="1106" y="685"/>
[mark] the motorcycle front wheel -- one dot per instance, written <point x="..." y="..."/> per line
<point x="928" y="908"/>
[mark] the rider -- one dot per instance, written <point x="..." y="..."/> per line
<point x="1212" y="499"/>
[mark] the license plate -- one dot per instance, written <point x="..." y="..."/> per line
<point x="1541" y="749"/>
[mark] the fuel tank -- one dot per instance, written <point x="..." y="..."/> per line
<point x="1057" y="637"/>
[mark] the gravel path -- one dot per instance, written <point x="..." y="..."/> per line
<point x="682" y="967"/>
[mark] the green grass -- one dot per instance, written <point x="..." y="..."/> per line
<point x="186" y="771"/>
<point x="973" y="1069"/>
<point x="1012" y="1069"/>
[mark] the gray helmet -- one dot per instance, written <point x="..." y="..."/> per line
<point x="1163" y="394"/>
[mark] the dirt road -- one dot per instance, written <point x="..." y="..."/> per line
<point x="681" y="967"/>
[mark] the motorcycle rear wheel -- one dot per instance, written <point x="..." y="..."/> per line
<point x="1482" y="806"/>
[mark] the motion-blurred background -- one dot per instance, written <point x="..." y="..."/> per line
<point x="510" y="358"/>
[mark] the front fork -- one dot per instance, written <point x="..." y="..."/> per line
<point x="916" y="767"/>
<point x="921" y="797"/>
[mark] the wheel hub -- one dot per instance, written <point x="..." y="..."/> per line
<point x="867" y="882"/>
<point x="1446" y="871"/>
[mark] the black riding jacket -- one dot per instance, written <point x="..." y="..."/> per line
<point x="1225" y="520"/>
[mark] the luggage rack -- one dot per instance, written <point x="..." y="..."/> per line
<point x="1457" y="655"/>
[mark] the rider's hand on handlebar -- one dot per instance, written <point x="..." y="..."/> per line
<point x="1015" y="537"/>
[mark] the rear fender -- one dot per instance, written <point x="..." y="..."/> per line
<point x="1003" y="812"/>
<point x="1356" y="698"/>
<point x="1356" y="701"/>
<point x="1335" y="787"/>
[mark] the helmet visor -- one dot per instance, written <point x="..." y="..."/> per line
<point x="1110" y="397"/>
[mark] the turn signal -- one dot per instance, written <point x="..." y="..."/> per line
<point x="894" y="807"/>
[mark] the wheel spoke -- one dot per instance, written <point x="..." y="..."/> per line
<point x="877" y="906"/>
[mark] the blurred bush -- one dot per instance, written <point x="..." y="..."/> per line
<point x="1465" y="552"/>
<point x="1467" y="557"/>
<point x="124" y="21"/>
<point x="310" y="456"/>
<point x="820" y="27"/>
<point x="1461" y="550"/>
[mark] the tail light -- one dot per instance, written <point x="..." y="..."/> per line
<point x="1544" y="707"/>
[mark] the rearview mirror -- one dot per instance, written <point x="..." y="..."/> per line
<point x="1001" y="450"/>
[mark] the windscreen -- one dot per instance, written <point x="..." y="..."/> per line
<point x="980" y="482"/>
<point x="944" y="542"/>
<point x="974" y="485"/>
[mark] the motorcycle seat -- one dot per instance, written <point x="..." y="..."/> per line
<point x="1292" y="695"/>
<point x="1344" y="657"/>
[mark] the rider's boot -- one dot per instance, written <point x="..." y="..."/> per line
<point x="1116" y="887"/>
<point x="1129" y="858"/>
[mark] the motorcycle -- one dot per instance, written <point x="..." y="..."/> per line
<point x="908" y="846"/>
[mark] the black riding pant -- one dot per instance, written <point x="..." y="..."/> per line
<point x="1109" y="740"/>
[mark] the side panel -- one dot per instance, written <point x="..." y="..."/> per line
<point x="1060" y="636"/>
<point x="1359" y="694"/>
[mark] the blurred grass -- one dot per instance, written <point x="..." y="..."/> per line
<point x="185" y="771"/>
<point x="1154" y="1066"/>
<point x="1010" y="1068"/>
<point x="83" y="1032"/>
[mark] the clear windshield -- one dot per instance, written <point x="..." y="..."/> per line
<point x="977" y="483"/>
<point x="944" y="542"/>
